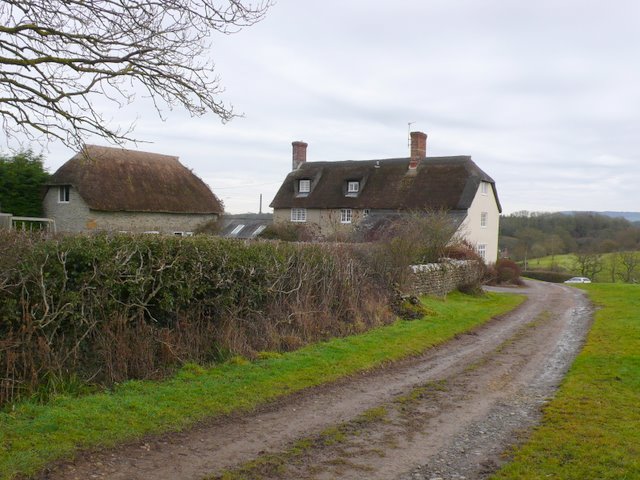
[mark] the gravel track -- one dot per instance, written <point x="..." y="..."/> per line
<point x="470" y="400"/>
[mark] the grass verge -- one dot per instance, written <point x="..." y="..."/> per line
<point x="592" y="427"/>
<point x="33" y="435"/>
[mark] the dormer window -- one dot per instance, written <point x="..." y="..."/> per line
<point x="353" y="187"/>
<point x="304" y="186"/>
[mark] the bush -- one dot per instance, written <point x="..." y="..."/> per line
<point x="507" y="272"/>
<point x="413" y="239"/>
<point x="546" y="275"/>
<point x="462" y="251"/>
<point x="288" y="232"/>
<point x="110" y="308"/>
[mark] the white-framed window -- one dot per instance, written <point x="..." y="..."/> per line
<point x="353" y="187"/>
<point x="346" y="215"/>
<point x="484" y="188"/>
<point x="298" y="214"/>
<point x="484" y="216"/>
<point x="481" y="249"/>
<point x="236" y="230"/>
<point x="63" y="193"/>
<point x="365" y="213"/>
<point x="304" y="186"/>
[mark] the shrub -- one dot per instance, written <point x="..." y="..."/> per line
<point x="288" y="232"/>
<point x="546" y="275"/>
<point x="462" y="250"/>
<point x="508" y="272"/>
<point x="416" y="238"/>
<point x="109" y="308"/>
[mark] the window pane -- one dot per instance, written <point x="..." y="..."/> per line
<point x="298" y="214"/>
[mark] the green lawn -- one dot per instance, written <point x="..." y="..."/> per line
<point x="591" y="430"/>
<point x="32" y="435"/>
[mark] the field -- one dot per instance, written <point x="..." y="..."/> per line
<point x="613" y="269"/>
<point x="32" y="434"/>
<point x="592" y="428"/>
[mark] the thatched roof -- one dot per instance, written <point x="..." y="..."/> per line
<point x="448" y="183"/>
<point x="119" y="180"/>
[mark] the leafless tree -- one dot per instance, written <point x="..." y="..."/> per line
<point x="588" y="263"/>
<point x="630" y="262"/>
<point x="58" y="57"/>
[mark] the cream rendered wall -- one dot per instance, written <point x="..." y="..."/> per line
<point x="471" y="228"/>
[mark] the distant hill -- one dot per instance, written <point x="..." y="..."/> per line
<point x="631" y="216"/>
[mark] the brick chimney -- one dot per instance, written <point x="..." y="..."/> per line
<point x="299" y="154"/>
<point x="418" y="149"/>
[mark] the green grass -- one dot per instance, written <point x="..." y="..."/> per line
<point x="565" y="261"/>
<point x="33" y="435"/>
<point x="591" y="429"/>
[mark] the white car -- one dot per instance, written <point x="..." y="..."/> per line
<point x="578" y="280"/>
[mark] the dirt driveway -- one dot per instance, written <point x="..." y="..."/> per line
<point x="448" y="414"/>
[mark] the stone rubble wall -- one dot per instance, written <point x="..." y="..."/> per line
<point x="444" y="277"/>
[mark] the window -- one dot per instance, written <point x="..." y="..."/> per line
<point x="63" y="194"/>
<point x="365" y="213"/>
<point x="483" y="219"/>
<point x="298" y="214"/>
<point x="481" y="248"/>
<point x="236" y="230"/>
<point x="346" y="215"/>
<point x="304" y="186"/>
<point x="353" y="187"/>
<point x="484" y="188"/>
<point x="258" y="230"/>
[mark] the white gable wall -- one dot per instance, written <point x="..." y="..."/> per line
<point x="472" y="229"/>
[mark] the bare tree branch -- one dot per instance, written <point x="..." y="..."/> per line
<point x="57" y="57"/>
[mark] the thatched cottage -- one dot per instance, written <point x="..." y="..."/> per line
<point x="119" y="190"/>
<point x="340" y="195"/>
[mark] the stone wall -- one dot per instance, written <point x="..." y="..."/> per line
<point x="75" y="216"/>
<point x="441" y="278"/>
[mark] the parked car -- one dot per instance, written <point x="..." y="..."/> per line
<point x="578" y="280"/>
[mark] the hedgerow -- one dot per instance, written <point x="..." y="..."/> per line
<point x="108" y="308"/>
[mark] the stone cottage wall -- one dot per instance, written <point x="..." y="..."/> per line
<point x="442" y="278"/>
<point x="75" y="216"/>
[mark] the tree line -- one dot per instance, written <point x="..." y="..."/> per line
<point x="588" y="235"/>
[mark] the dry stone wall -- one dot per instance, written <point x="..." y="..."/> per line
<point x="444" y="277"/>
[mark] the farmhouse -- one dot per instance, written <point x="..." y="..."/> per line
<point x="118" y="190"/>
<point x="340" y="195"/>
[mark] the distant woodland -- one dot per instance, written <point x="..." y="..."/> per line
<point x="525" y="235"/>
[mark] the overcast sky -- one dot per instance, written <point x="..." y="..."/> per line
<point x="545" y="97"/>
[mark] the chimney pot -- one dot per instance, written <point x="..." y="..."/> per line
<point x="418" y="148"/>
<point x="299" y="154"/>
